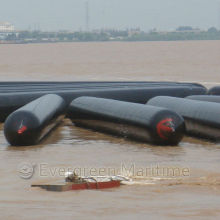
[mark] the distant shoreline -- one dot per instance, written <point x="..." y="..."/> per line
<point x="60" y="42"/>
<point x="26" y="37"/>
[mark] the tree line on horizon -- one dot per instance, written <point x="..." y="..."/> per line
<point x="181" y="33"/>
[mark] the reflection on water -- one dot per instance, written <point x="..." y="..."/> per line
<point x="165" y="197"/>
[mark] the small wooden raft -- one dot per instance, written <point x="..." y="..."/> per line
<point x="74" y="182"/>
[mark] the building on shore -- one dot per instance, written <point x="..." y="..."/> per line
<point x="6" y="27"/>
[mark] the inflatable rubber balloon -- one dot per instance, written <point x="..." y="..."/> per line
<point x="29" y="124"/>
<point x="137" y="121"/>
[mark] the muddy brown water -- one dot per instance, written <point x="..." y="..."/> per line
<point x="193" y="192"/>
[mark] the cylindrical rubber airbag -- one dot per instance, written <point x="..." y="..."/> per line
<point x="29" y="124"/>
<point x="214" y="91"/>
<point x="6" y="87"/>
<point x="9" y="102"/>
<point x="206" y="98"/>
<point x="201" y="118"/>
<point x="137" y="121"/>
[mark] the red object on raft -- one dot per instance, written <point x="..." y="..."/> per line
<point x="96" y="185"/>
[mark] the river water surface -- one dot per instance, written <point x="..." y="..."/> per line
<point x="193" y="192"/>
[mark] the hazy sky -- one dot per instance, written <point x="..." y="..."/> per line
<point x="146" y="14"/>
